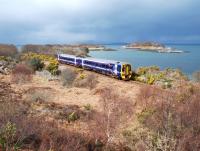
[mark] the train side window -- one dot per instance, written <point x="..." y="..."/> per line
<point x="118" y="68"/>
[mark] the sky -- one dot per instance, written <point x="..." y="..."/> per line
<point x="99" y="21"/>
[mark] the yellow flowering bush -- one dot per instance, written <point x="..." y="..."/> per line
<point x="52" y="67"/>
<point x="28" y="56"/>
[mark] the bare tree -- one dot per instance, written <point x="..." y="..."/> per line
<point x="116" y="110"/>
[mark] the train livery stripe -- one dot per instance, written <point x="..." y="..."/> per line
<point x="98" y="68"/>
<point x="67" y="61"/>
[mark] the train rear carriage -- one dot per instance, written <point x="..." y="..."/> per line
<point x="67" y="59"/>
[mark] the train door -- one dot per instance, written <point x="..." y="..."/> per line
<point x="79" y="62"/>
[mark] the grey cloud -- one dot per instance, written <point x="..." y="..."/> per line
<point x="66" y="21"/>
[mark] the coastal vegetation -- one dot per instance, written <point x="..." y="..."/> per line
<point x="196" y="76"/>
<point x="168" y="120"/>
<point x="152" y="75"/>
<point x="8" y="50"/>
<point x="54" y="49"/>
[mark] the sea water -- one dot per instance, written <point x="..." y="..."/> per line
<point x="188" y="62"/>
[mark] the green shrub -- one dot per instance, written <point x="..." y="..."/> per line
<point x="53" y="68"/>
<point x="142" y="70"/>
<point x="36" y="64"/>
<point x="7" y="135"/>
<point x="167" y="84"/>
<point x="73" y="117"/>
<point x="146" y="113"/>
<point x="151" y="79"/>
<point x="88" y="107"/>
<point x="82" y="76"/>
<point x="145" y="70"/>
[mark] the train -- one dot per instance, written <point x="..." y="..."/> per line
<point x="117" y="69"/>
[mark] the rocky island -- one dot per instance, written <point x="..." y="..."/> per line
<point x="151" y="46"/>
<point x="95" y="47"/>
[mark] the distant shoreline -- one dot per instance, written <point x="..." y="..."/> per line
<point x="151" y="47"/>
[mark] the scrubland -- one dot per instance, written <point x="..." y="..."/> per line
<point x="47" y="106"/>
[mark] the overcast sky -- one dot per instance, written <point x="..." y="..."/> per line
<point x="100" y="21"/>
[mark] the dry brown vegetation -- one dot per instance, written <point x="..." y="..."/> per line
<point x="8" y="50"/>
<point x="67" y="77"/>
<point x="89" y="81"/>
<point x="21" y="73"/>
<point x="168" y="120"/>
<point x="196" y="76"/>
<point x="21" y="129"/>
<point x="31" y="121"/>
<point x="54" y="49"/>
<point x="116" y="111"/>
<point x="95" y="113"/>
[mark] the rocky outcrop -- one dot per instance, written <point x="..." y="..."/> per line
<point x="4" y="67"/>
<point x="151" y="46"/>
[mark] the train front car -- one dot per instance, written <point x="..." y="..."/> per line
<point x="126" y="71"/>
<point x="107" y="67"/>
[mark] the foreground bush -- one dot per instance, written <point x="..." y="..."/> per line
<point x="196" y="76"/>
<point x="7" y="134"/>
<point x="152" y="75"/>
<point x="20" y="129"/>
<point x="168" y="120"/>
<point x="21" y="73"/>
<point x="116" y="111"/>
<point x="67" y="77"/>
<point x="8" y="50"/>
<point x="87" y="81"/>
<point x="36" y="64"/>
<point x="52" y="66"/>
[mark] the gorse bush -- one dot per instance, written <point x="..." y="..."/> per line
<point x="29" y="56"/>
<point x="21" y="73"/>
<point x="53" y="68"/>
<point x="36" y="64"/>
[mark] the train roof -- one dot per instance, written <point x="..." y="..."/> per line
<point x="94" y="59"/>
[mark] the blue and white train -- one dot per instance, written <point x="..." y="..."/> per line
<point x="120" y="70"/>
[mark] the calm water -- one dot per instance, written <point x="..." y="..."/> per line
<point x="188" y="62"/>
